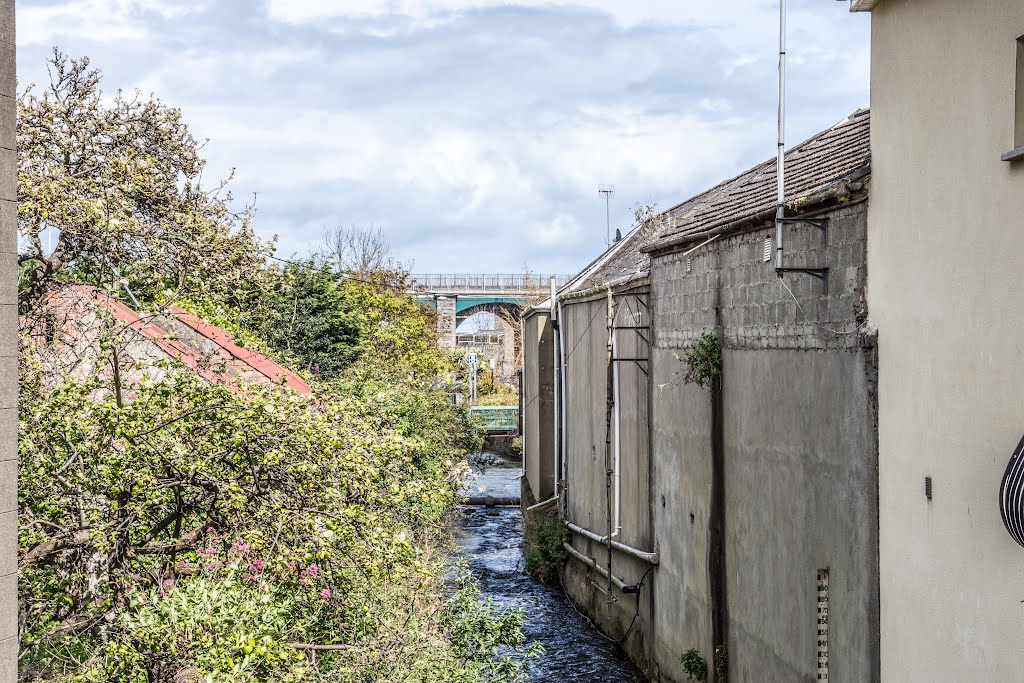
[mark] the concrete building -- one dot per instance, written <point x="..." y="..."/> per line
<point x="8" y="352"/>
<point x="744" y="509"/>
<point x="945" y="224"/>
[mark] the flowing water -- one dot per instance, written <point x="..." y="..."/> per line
<point x="489" y="538"/>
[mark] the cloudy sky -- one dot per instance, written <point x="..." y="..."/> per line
<point x="474" y="132"/>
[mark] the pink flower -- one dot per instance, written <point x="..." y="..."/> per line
<point x="291" y="565"/>
<point x="257" y="564"/>
<point x="312" y="570"/>
<point x="168" y="583"/>
<point x="325" y="594"/>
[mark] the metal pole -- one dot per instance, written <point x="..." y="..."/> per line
<point x="608" y="218"/>
<point x="781" y="158"/>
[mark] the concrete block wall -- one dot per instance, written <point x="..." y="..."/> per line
<point x="8" y="353"/>
<point x="799" y="445"/>
<point x="729" y="278"/>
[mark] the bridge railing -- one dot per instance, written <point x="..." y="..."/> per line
<point x="475" y="282"/>
<point x="496" y="418"/>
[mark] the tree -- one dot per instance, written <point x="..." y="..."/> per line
<point x="362" y="251"/>
<point x="312" y="320"/>
<point x="119" y="181"/>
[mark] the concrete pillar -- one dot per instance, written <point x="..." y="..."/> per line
<point x="8" y="353"/>
<point x="446" y="321"/>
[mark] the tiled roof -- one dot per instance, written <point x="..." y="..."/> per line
<point x="811" y="166"/>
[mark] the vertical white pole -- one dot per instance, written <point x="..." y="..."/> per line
<point x="555" y="323"/>
<point x="781" y="159"/>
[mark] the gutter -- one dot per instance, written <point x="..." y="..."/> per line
<point x="636" y="279"/>
<point x="840" y="190"/>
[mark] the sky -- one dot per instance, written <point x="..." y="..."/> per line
<point x="474" y="133"/>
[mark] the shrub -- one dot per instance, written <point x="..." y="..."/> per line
<point x="694" y="665"/>
<point x="543" y="537"/>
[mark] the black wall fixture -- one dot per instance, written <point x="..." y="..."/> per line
<point x="1011" y="495"/>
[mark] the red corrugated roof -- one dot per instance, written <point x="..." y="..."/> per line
<point x="257" y="361"/>
<point x="177" y="348"/>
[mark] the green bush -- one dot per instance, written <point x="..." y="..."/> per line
<point x="695" y="666"/>
<point x="543" y="537"/>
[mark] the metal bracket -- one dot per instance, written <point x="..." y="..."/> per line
<point x="820" y="273"/>
<point x="819" y="223"/>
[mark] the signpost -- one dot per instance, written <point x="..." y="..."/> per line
<point x="473" y="361"/>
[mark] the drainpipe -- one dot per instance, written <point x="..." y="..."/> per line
<point x="618" y="437"/>
<point x="522" y="387"/>
<point x="592" y="563"/>
<point x="653" y="558"/>
<point x="560" y="408"/>
<point x="553" y="315"/>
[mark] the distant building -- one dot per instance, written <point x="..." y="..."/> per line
<point x="945" y="291"/>
<point x="69" y="328"/>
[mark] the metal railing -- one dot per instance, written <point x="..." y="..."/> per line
<point x="482" y="282"/>
<point x="496" y="418"/>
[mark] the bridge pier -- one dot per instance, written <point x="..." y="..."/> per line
<point x="446" y="323"/>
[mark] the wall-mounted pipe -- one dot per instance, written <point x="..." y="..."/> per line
<point x="617" y="464"/>
<point x="590" y="562"/>
<point x="560" y="404"/>
<point x="553" y="315"/>
<point x="543" y="503"/>
<point x="653" y="558"/>
<point x="522" y="391"/>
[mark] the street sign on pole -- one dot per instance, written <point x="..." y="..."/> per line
<point x="471" y="358"/>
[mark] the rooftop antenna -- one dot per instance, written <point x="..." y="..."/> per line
<point x="608" y="191"/>
<point x="781" y="221"/>
<point x="780" y="211"/>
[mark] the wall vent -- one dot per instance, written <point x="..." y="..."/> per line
<point x="767" y="249"/>
<point x="822" y="624"/>
<point x="689" y="264"/>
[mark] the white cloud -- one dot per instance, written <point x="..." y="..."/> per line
<point x="113" y="20"/>
<point x="478" y="144"/>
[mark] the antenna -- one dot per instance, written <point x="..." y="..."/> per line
<point x="781" y="159"/>
<point x="608" y="191"/>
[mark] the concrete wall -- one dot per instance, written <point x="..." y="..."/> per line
<point x="585" y="326"/>
<point x="799" y="451"/>
<point x="8" y="353"/>
<point x="538" y="409"/>
<point x="946" y="222"/>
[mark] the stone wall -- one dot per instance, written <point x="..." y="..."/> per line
<point x="8" y="353"/>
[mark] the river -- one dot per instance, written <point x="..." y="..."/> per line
<point x="489" y="539"/>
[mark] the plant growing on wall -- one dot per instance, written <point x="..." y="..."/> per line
<point x="704" y="359"/>
<point x="543" y="537"/>
<point x="722" y="663"/>
<point x="694" y="665"/>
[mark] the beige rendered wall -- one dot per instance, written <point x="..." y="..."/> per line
<point x="946" y="291"/>
<point x="8" y="354"/>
